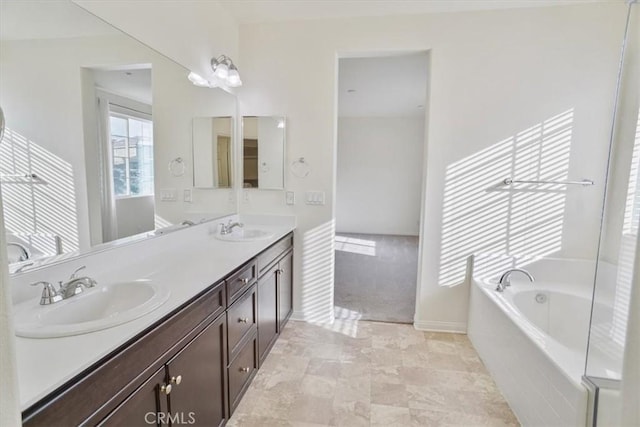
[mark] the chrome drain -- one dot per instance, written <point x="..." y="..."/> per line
<point x="541" y="298"/>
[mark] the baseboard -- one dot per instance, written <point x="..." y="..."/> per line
<point x="301" y="316"/>
<point x="298" y="315"/>
<point x="436" y="326"/>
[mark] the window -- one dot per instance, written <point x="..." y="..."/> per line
<point x="132" y="155"/>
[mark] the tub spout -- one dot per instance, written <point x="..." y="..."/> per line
<point x="505" y="279"/>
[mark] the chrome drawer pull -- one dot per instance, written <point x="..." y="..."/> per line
<point x="176" y="380"/>
<point x="243" y="320"/>
<point x="245" y="369"/>
<point x="244" y="281"/>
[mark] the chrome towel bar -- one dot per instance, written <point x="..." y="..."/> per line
<point x="510" y="181"/>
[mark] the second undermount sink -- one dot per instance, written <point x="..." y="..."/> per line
<point x="245" y="235"/>
<point x="101" y="307"/>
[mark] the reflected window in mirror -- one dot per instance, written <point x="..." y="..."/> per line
<point x="131" y="155"/>
<point x="213" y="152"/>
<point x="263" y="139"/>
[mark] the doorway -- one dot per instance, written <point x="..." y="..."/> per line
<point x="380" y="145"/>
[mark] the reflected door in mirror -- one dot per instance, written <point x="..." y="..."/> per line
<point x="263" y="152"/>
<point x="212" y="152"/>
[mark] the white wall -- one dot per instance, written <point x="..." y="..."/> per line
<point x="270" y="154"/>
<point x="379" y="175"/>
<point x="135" y="215"/>
<point x="493" y="75"/>
<point x="189" y="35"/>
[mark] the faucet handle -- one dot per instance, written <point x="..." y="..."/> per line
<point x="49" y="293"/>
<point x="74" y="275"/>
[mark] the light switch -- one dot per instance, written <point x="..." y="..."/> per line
<point x="314" y="198"/>
<point x="290" y="198"/>
<point x="168" y="195"/>
<point x="188" y="195"/>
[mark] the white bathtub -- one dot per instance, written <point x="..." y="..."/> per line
<point x="533" y="338"/>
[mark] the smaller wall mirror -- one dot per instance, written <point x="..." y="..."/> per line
<point x="213" y="152"/>
<point x="263" y="152"/>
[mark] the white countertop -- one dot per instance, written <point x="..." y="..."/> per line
<point x="186" y="262"/>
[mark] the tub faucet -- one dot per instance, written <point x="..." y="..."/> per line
<point x="505" y="279"/>
<point x="228" y="229"/>
<point x="26" y="254"/>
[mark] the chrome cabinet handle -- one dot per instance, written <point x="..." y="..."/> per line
<point x="165" y="388"/>
<point x="243" y="320"/>
<point x="244" y="281"/>
<point x="245" y="369"/>
<point x="280" y="271"/>
<point x="176" y="380"/>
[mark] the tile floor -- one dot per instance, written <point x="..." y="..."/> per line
<point x="358" y="373"/>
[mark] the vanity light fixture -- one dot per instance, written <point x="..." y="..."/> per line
<point x="225" y="71"/>
<point x="200" y="81"/>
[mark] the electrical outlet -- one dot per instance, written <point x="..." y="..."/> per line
<point x="290" y="198"/>
<point x="187" y="195"/>
<point x="245" y="196"/>
<point x="232" y="197"/>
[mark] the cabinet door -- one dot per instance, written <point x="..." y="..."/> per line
<point x="285" y="289"/>
<point x="267" y="311"/>
<point x="198" y="378"/>
<point x="147" y="406"/>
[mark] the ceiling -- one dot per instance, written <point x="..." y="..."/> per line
<point x="130" y="82"/>
<point x="390" y="86"/>
<point x="253" y="11"/>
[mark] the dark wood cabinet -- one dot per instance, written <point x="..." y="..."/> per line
<point x="241" y="320"/>
<point x="275" y="293"/>
<point x="191" y="367"/>
<point x="242" y="369"/>
<point x="267" y="311"/>
<point x="197" y="377"/>
<point x="189" y="389"/>
<point x="285" y="289"/>
<point x="145" y="407"/>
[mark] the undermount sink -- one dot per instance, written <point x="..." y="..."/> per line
<point x="245" y="235"/>
<point x="94" y="309"/>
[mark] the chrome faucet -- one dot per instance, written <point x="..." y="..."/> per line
<point x="228" y="229"/>
<point x="26" y="254"/>
<point x="75" y="284"/>
<point x="505" y="279"/>
<point x="71" y="287"/>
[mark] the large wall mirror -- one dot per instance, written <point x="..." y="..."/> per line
<point x="94" y="119"/>
<point x="263" y="139"/>
<point x="213" y="152"/>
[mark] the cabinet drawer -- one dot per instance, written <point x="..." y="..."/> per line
<point x="241" y="281"/>
<point x="241" y="370"/>
<point x="241" y="318"/>
<point x="271" y="254"/>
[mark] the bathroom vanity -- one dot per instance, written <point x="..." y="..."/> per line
<point x="192" y="365"/>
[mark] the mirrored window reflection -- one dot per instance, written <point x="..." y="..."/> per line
<point x="132" y="155"/>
